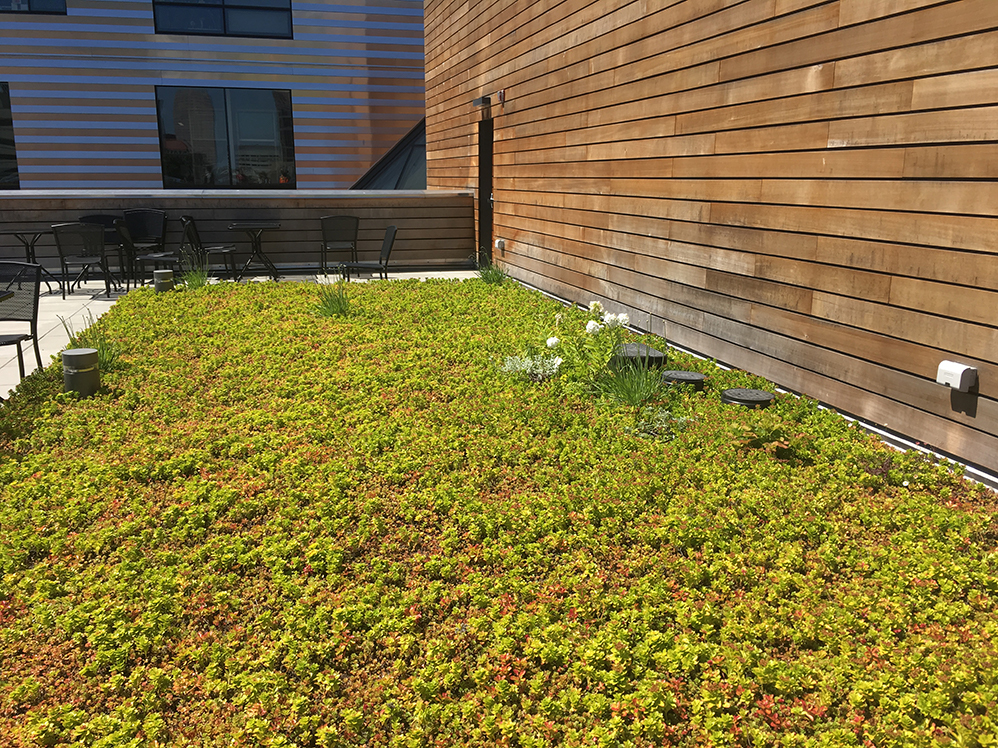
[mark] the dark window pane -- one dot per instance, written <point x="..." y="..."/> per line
<point x="48" y="6"/>
<point x="32" y="6"/>
<point x="261" y="151"/>
<point x="189" y="19"/>
<point x="273" y="4"/>
<point x="249" y="22"/>
<point x="193" y="140"/>
<point x="8" y="156"/>
<point x="217" y="137"/>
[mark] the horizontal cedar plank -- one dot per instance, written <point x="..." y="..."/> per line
<point x="886" y="98"/>
<point x="961" y="125"/>
<point x="765" y="292"/>
<point x="655" y="184"/>
<point x="738" y="289"/>
<point x="658" y="168"/>
<point x="660" y="147"/>
<point x="803" y="137"/>
<point x="970" y="304"/>
<point x="967" y="198"/>
<point x="602" y="261"/>
<point x="939" y="22"/>
<point x="576" y="81"/>
<point x="950" y="162"/>
<point x="858" y="164"/>
<point x="619" y="104"/>
<point x="963" y="52"/>
<point x="963" y="232"/>
<point x="887" y="351"/>
<point x="961" y="338"/>
<point x="973" y="269"/>
<point x="633" y="131"/>
<point x="959" y="90"/>
<point x="589" y="191"/>
<point x="542" y="76"/>
<point x="858" y="11"/>
<point x="794" y="246"/>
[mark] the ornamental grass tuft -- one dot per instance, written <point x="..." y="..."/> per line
<point x="262" y="533"/>
<point x="333" y="300"/>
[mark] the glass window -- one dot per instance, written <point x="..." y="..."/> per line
<point x="258" y="18"/>
<point x="8" y="156"/>
<point x="33" y="6"/>
<point x="226" y="137"/>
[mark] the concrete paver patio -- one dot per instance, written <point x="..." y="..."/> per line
<point x="90" y="302"/>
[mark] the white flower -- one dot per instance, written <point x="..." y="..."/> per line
<point x="615" y="320"/>
<point x="595" y="307"/>
<point x="557" y="319"/>
<point x="552" y="342"/>
<point x="593" y="327"/>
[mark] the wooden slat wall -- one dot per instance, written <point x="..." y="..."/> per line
<point x="806" y="189"/>
<point x="435" y="228"/>
<point x="82" y="87"/>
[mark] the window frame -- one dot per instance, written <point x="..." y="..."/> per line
<point x="225" y="134"/>
<point x="32" y="11"/>
<point x="224" y="6"/>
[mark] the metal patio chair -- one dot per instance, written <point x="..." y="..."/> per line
<point x="196" y="253"/>
<point x="81" y="245"/>
<point x="338" y="233"/>
<point x="381" y="264"/>
<point x="137" y="257"/>
<point x="20" y="285"/>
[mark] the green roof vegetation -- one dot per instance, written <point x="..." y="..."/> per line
<point x="409" y="526"/>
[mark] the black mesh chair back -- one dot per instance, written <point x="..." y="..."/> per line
<point x="82" y="245"/>
<point x="79" y="240"/>
<point x="386" y="248"/>
<point x="190" y="243"/>
<point x="107" y="221"/>
<point x="148" y="228"/>
<point x="338" y="233"/>
<point x="20" y="286"/>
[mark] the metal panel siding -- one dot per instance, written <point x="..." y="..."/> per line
<point x="83" y="87"/>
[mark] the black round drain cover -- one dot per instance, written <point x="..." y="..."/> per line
<point x="748" y="398"/>
<point x="638" y="354"/>
<point x="685" y="377"/>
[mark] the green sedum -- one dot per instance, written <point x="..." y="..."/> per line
<point x="279" y="529"/>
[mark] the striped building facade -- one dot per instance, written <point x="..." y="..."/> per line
<point x="84" y="87"/>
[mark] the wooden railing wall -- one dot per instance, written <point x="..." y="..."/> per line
<point x="435" y="228"/>
<point x="806" y="189"/>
